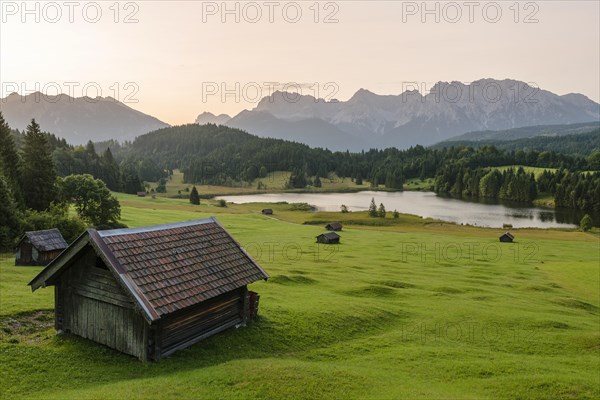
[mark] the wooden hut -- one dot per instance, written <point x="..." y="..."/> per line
<point x="507" y="238"/>
<point x="39" y="247"/>
<point x="328" y="238"/>
<point x="267" y="211"/>
<point x="334" y="226"/>
<point x="141" y="194"/>
<point x="151" y="291"/>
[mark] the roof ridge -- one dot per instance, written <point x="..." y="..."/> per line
<point x="153" y="228"/>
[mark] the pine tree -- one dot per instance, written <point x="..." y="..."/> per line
<point x="9" y="161"/>
<point x="373" y="208"/>
<point x="130" y="180"/>
<point x="38" y="174"/>
<point x="381" y="211"/>
<point x="359" y="180"/>
<point x="109" y="170"/>
<point x="194" y="196"/>
<point x="9" y="216"/>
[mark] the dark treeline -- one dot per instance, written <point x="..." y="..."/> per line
<point x="572" y="189"/>
<point x="582" y="144"/>
<point x="218" y="154"/>
<point x="486" y="183"/>
<point x="124" y="176"/>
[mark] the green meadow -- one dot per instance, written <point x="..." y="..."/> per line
<point x="405" y="308"/>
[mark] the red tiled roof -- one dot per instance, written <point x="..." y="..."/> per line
<point x="179" y="265"/>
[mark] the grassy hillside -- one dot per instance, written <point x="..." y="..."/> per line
<point x="412" y="309"/>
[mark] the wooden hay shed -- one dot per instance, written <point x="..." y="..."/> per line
<point x="334" y="226"/>
<point x="39" y="247"/>
<point x="151" y="291"/>
<point x="507" y="238"/>
<point x="267" y="211"/>
<point x="328" y="238"/>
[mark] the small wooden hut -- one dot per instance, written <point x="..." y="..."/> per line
<point x="39" y="247"/>
<point x="151" y="291"/>
<point x="507" y="238"/>
<point x="267" y="211"/>
<point x="328" y="238"/>
<point x="334" y="226"/>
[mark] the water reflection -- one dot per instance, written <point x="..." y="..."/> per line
<point x="429" y="205"/>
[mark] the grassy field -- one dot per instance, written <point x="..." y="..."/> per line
<point x="406" y="308"/>
<point x="275" y="182"/>
<point x="535" y="170"/>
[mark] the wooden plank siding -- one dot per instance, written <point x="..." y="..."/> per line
<point x="96" y="307"/>
<point x="202" y="320"/>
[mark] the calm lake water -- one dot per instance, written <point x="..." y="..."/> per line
<point x="429" y="205"/>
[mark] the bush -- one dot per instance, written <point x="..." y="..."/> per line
<point x="301" y="207"/>
<point x="221" y="203"/>
<point x="56" y="217"/>
<point x="586" y="223"/>
<point x="344" y="208"/>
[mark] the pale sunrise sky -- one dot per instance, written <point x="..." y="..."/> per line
<point x="179" y="56"/>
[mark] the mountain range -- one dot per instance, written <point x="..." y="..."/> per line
<point x="369" y="120"/>
<point x="80" y="119"/>
<point x="366" y="120"/>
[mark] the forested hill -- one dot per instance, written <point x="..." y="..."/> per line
<point x="218" y="155"/>
<point x="179" y="146"/>
<point x="582" y="144"/>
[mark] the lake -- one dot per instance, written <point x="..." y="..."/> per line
<point x="428" y="205"/>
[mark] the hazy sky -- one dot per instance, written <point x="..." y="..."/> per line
<point x="175" y="60"/>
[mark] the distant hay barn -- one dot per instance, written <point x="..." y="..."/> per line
<point x="39" y="247"/>
<point x="334" y="226"/>
<point x="151" y="291"/>
<point x="328" y="238"/>
<point x="507" y="238"/>
<point x="267" y="211"/>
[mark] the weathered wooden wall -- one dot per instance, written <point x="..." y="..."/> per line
<point x="91" y="304"/>
<point x="24" y="256"/>
<point x="191" y="325"/>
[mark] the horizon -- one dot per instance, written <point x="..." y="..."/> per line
<point x="206" y="58"/>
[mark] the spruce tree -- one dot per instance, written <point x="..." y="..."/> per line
<point x="194" y="196"/>
<point x="38" y="174"/>
<point x="381" y="211"/>
<point x="110" y="173"/>
<point x="9" y="216"/>
<point x="359" y="180"/>
<point x="372" y="208"/>
<point x="10" y="161"/>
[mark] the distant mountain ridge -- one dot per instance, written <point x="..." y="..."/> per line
<point x="368" y="120"/>
<point x="80" y="119"/>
